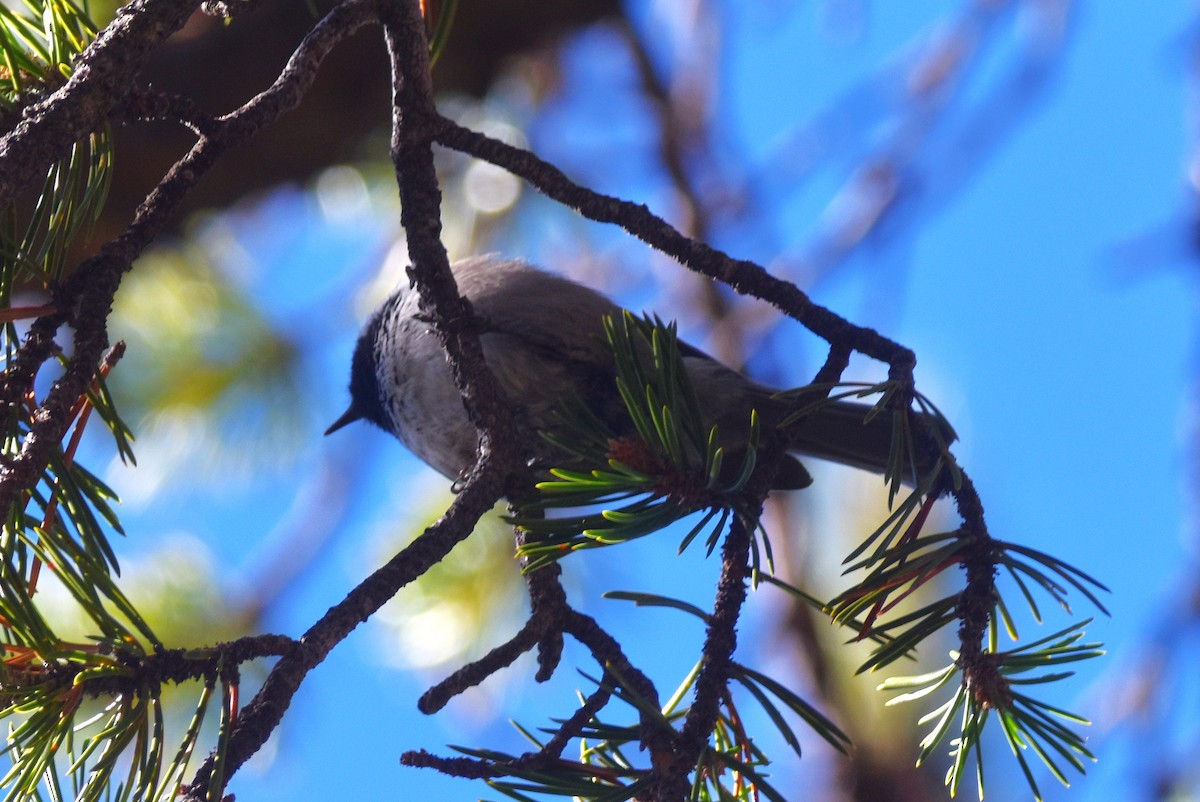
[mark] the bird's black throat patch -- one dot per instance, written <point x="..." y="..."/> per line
<point x="364" y="378"/>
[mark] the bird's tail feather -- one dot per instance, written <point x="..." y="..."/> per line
<point x="846" y="432"/>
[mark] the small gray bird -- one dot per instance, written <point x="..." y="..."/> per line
<point x="542" y="336"/>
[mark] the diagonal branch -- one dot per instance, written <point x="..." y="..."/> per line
<point x="85" y="299"/>
<point x="743" y="276"/>
<point x="263" y="714"/>
<point x="103" y="74"/>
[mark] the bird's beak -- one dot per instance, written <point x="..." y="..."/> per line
<point x="349" y="416"/>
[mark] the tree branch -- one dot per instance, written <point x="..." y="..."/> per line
<point x="743" y="276"/>
<point x="85" y="299"/>
<point x="103" y="74"/>
<point x="263" y="714"/>
<point x="414" y="122"/>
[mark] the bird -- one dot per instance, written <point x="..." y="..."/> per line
<point x="542" y="335"/>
